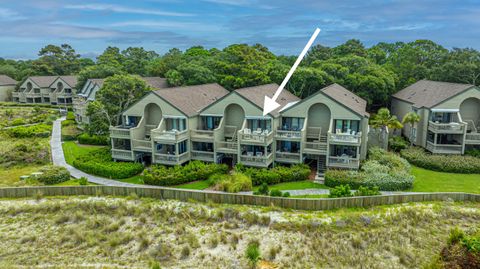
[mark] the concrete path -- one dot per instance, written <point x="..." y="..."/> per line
<point x="59" y="159"/>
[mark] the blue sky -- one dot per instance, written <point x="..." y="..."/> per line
<point x="283" y="26"/>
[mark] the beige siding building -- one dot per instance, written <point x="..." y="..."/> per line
<point x="205" y="122"/>
<point x="55" y="90"/>
<point x="7" y="86"/>
<point x="449" y="115"/>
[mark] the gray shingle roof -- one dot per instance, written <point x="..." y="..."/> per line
<point x="192" y="99"/>
<point x="256" y="95"/>
<point x="46" y="81"/>
<point x="7" y="81"/>
<point x="347" y="98"/>
<point x="428" y="93"/>
<point x="156" y="82"/>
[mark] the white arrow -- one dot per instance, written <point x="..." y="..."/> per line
<point x="270" y="104"/>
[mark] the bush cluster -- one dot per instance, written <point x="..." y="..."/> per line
<point x="275" y="175"/>
<point x="87" y="139"/>
<point x="28" y="151"/>
<point x="473" y="153"/>
<point x="53" y="175"/>
<point x="100" y="163"/>
<point x="263" y="190"/>
<point x="398" y="143"/>
<point x="443" y="163"/>
<point x="385" y="170"/>
<point x="235" y="182"/>
<point x="340" y="191"/>
<point x="70" y="133"/>
<point x="39" y="130"/>
<point x="195" y="170"/>
<point x="70" y="116"/>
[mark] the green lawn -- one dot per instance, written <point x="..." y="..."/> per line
<point x="11" y="176"/>
<point x="296" y="185"/>
<point x="196" y="185"/>
<point x="138" y="179"/>
<point x="432" y="181"/>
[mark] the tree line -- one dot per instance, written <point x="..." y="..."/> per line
<point x="374" y="73"/>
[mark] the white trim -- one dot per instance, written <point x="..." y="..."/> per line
<point x="258" y="117"/>
<point x="211" y="115"/>
<point x="445" y="110"/>
<point x="174" y="117"/>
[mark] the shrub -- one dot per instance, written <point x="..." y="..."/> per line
<point x="87" y="139"/>
<point x="70" y="116"/>
<point x="82" y="181"/>
<point x="398" y="143"/>
<point x="99" y="162"/>
<point x="39" y="130"/>
<point x="18" y="121"/>
<point x="366" y="191"/>
<point x="276" y="193"/>
<point x="263" y="190"/>
<point x="70" y="133"/>
<point x="473" y="153"/>
<point x="340" y="191"/>
<point x="443" y="163"/>
<point x="26" y="151"/>
<point x="234" y="183"/>
<point x="195" y="170"/>
<point x="68" y="122"/>
<point x="53" y="175"/>
<point x="253" y="253"/>
<point x="275" y="175"/>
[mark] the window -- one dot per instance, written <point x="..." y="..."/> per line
<point x="340" y="150"/>
<point x="202" y="146"/>
<point x="345" y="125"/>
<point x="292" y="124"/>
<point x="255" y="124"/>
<point x="182" y="147"/>
<point x="288" y="146"/>
<point x="210" y="122"/>
<point x="176" y="124"/>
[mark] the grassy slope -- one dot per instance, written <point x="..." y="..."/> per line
<point x="68" y="232"/>
<point x="196" y="185"/>
<point x="11" y="176"/>
<point x="431" y="181"/>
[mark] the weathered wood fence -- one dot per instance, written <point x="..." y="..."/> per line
<point x="232" y="198"/>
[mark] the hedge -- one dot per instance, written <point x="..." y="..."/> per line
<point x="195" y="170"/>
<point x="384" y="170"/>
<point x="100" y="163"/>
<point x="53" y="175"/>
<point x="442" y="163"/>
<point x="275" y="175"/>
<point x="39" y="130"/>
<point x="87" y="139"/>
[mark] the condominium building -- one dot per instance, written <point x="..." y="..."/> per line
<point x="7" y="86"/>
<point x="91" y="87"/>
<point x="55" y="90"/>
<point x="449" y="115"/>
<point x="205" y="122"/>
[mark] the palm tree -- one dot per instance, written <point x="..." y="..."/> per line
<point x="384" y="120"/>
<point x="411" y="118"/>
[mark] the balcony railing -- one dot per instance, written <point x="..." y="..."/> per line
<point x="287" y="156"/>
<point x="122" y="154"/>
<point x="201" y="134"/>
<point x="256" y="137"/>
<point x="444" y="148"/>
<point x="320" y="147"/>
<point x="344" y="162"/>
<point x="203" y="155"/>
<point x="143" y="145"/>
<point x="452" y="127"/>
<point x="169" y="136"/>
<point x="345" y="138"/>
<point x="472" y="138"/>
<point x="288" y="134"/>
<point x="119" y="132"/>
<point x="171" y="159"/>
<point x="226" y="147"/>
<point x="262" y="161"/>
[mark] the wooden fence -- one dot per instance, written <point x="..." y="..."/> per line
<point x="232" y="198"/>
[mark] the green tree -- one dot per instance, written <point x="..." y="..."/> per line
<point x="462" y="65"/>
<point x="118" y="93"/>
<point x="411" y="118"/>
<point x="174" y="78"/>
<point x="194" y="74"/>
<point x="137" y="59"/>
<point x="384" y="121"/>
<point x="111" y="57"/>
<point x="57" y="60"/>
<point x="96" y="71"/>
<point x="351" y="47"/>
<point x="99" y="119"/>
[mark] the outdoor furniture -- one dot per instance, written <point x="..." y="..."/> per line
<point x="24" y="177"/>
<point x="36" y="174"/>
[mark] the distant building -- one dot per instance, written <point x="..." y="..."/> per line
<point x="54" y="90"/>
<point x="449" y="115"/>
<point x="7" y="86"/>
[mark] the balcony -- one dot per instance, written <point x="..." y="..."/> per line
<point x="120" y="132"/>
<point x="288" y="157"/>
<point x="257" y="161"/>
<point x="444" y="148"/>
<point x="288" y="135"/>
<point x="345" y="138"/>
<point x="319" y="148"/>
<point x="203" y="155"/>
<point x="170" y="159"/>
<point x="447" y="128"/>
<point x="202" y="135"/>
<point x="122" y="154"/>
<point x="169" y="137"/>
<point x="256" y="137"/>
<point x="34" y="95"/>
<point x="345" y="162"/>
<point x="227" y="147"/>
<point x="472" y="138"/>
<point x="142" y="145"/>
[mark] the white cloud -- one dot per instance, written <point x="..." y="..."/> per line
<point x="9" y="15"/>
<point x="124" y="9"/>
<point x="168" y="24"/>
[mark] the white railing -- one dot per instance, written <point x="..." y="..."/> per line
<point x="230" y="130"/>
<point x="118" y="132"/>
<point x="122" y="154"/>
<point x="343" y="162"/>
<point x="444" y="148"/>
<point x="257" y="160"/>
<point x="289" y="156"/>
<point x="171" y="159"/>
<point x="201" y="133"/>
<point x="202" y="155"/>
<point x="257" y="137"/>
<point x="288" y="134"/>
<point x="451" y="127"/>
<point x="345" y="138"/>
<point x="226" y="145"/>
<point x="314" y="132"/>
<point x="473" y="137"/>
<point x="320" y="146"/>
<point x="170" y="135"/>
<point x="141" y="143"/>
